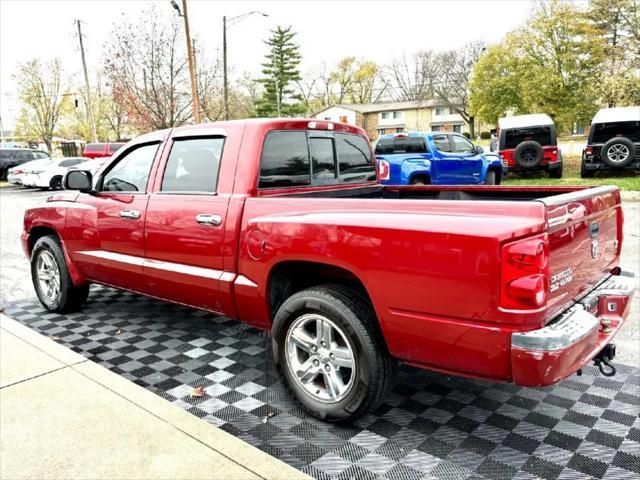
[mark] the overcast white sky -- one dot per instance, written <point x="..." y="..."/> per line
<point x="327" y="30"/>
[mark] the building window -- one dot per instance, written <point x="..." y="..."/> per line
<point x="384" y="115"/>
<point x="381" y="131"/>
<point x="400" y="130"/>
<point x="457" y="128"/>
<point x="435" y="129"/>
<point x="442" y="110"/>
<point x="397" y="114"/>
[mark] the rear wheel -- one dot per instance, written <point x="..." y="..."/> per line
<point x="56" y="183"/>
<point x="584" y="173"/>
<point x="420" y="180"/>
<point x="51" y="278"/>
<point x="330" y="352"/>
<point x="556" y="172"/>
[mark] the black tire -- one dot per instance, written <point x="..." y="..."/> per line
<point x="69" y="297"/>
<point x="56" y="183"/>
<point x="618" y="152"/>
<point x="491" y="178"/>
<point x="352" y="313"/>
<point x="528" y="154"/>
<point x="584" y="173"/>
<point x="421" y="180"/>
<point x="555" y="172"/>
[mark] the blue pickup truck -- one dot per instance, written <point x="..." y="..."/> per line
<point x="438" y="158"/>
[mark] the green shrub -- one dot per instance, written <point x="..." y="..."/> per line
<point x="467" y="134"/>
<point x="485" y="135"/>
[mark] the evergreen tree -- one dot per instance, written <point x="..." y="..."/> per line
<point x="280" y="71"/>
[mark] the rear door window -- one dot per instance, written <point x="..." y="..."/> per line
<point x="285" y="160"/>
<point x="193" y="165"/>
<point x="355" y="162"/>
<point x="603" y="132"/>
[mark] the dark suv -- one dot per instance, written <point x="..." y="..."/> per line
<point x="527" y="143"/>
<point x="614" y="141"/>
<point x="10" y="157"/>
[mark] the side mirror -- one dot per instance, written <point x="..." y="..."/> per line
<point x="479" y="150"/>
<point x="78" y="180"/>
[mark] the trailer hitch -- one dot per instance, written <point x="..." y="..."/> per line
<point x="603" y="360"/>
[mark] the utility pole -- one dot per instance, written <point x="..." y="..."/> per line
<point x="92" y="121"/>
<point x="192" y="66"/>
<point x="224" y="67"/>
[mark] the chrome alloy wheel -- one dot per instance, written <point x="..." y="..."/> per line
<point x="320" y="358"/>
<point x="618" y="153"/>
<point x="48" y="275"/>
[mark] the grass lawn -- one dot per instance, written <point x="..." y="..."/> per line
<point x="571" y="176"/>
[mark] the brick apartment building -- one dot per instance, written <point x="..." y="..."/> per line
<point x="396" y="117"/>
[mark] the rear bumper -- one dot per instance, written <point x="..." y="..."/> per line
<point x="595" y="165"/>
<point x="570" y="341"/>
<point x="540" y="167"/>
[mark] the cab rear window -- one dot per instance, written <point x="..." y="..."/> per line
<point x="94" y="147"/>
<point x="295" y="158"/>
<point x="388" y="146"/>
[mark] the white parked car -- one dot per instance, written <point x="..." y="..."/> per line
<point x="16" y="174"/>
<point x="92" y="165"/>
<point x="49" y="175"/>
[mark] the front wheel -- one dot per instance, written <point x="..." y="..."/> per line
<point x="556" y="172"/>
<point x="51" y="278"/>
<point x="331" y="354"/>
<point x="491" y="178"/>
<point x="584" y="173"/>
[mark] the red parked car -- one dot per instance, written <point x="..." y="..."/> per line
<point x="99" y="150"/>
<point x="284" y="225"/>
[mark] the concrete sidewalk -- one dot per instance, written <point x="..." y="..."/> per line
<point x="62" y="416"/>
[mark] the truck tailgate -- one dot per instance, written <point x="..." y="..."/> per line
<point x="585" y="237"/>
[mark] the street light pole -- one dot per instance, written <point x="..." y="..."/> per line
<point x="224" y="55"/>
<point x="192" y="63"/>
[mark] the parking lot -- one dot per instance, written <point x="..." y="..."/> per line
<point x="430" y="426"/>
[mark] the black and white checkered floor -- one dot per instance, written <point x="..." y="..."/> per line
<point x="430" y="426"/>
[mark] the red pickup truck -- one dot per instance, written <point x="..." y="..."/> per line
<point x="283" y="224"/>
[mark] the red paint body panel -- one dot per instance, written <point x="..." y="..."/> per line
<point x="431" y="267"/>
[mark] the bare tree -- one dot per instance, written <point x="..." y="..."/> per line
<point x="148" y="68"/>
<point x="413" y="78"/>
<point x="42" y="97"/>
<point x="454" y="73"/>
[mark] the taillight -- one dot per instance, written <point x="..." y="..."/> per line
<point x="384" y="169"/>
<point x="525" y="273"/>
<point x="588" y="150"/>
<point x="507" y="157"/>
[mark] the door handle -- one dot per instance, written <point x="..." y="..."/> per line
<point x="133" y="214"/>
<point x="209" y="219"/>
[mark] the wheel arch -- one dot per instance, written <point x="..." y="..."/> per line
<point x="290" y="276"/>
<point x="37" y="232"/>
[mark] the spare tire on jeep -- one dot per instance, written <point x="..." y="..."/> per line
<point x="528" y="154"/>
<point x="618" y="152"/>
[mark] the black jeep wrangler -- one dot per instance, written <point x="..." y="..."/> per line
<point x="614" y="141"/>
